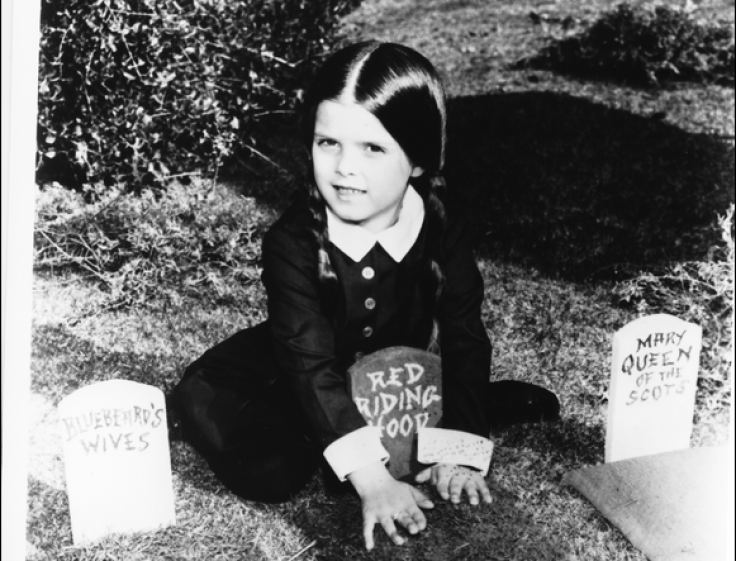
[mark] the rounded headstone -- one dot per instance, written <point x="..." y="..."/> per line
<point x="654" y="377"/>
<point x="116" y="456"/>
<point x="398" y="390"/>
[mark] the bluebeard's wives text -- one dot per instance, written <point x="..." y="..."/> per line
<point x="96" y="429"/>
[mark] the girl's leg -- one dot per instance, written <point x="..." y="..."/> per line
<point x="266" y="456"/>
<point x="238" y="412"/>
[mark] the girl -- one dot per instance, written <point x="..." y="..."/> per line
<point x="365" y="260"/>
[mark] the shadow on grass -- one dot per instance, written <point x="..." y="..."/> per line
<point x="572" y="187"/>
<point x="503" y="530"/>
<point x="578" y="188"/>
<point x="570" y="442"/>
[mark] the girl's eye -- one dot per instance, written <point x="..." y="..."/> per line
<point x="325" y="142"/>
<point x="374" y="149"/>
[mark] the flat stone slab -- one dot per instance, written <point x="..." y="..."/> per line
<point x="399" y="390"/>
<point x="671" y="506"/>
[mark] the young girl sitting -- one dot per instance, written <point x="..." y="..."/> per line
<point x="366" y="259"/>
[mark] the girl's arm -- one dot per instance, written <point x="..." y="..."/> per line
<point x="466" y="361"/>
<point x="303" y="333"/>
<point x="465" y="346"/>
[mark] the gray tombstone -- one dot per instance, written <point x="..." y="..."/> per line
<point x="654" y="375"/>
<point x="116" y="458"/>
<point x="399" y="390"/>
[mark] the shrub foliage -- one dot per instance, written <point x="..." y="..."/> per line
<point x="647" y="46"/>
<point x="187" y="240"/>
<point x="136" y="91"/>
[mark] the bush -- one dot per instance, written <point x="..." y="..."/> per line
<point x="156" y="247"/>
<point x="700" y="292"/>
<point x="646" y="46"/>
<point x="139" y="91"/>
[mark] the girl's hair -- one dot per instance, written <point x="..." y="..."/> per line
<point x="401" y="88"/>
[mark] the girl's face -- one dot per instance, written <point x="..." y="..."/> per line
<point x="360" y="170"/>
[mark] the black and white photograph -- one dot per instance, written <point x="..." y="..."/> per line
<point x="322" y="280"/>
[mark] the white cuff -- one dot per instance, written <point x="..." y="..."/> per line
<point x="454" y="447"/>
<point x="355" y="450"/>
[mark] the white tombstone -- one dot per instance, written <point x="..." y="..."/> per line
<point x="116" y="457"/>
<point x="651" y="399"/>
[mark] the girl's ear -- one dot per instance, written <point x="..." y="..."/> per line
<point x="417" y="171"/>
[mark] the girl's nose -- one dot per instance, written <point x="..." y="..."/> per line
<point x="346" y="163"/>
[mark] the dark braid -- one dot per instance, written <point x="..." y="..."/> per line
<point x="434" y="187"/>
<point x="316" y="205"/>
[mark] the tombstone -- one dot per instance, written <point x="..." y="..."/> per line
<point x="399" y="390"/>
<point x="654" y="374"/>
<point x="116" y="458"/>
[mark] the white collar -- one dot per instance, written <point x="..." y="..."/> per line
<point x="355" y="241"/>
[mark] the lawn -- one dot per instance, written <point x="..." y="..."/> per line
<point x="657" y="152"/>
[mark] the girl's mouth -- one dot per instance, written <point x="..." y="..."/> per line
<point x="347" y="190"/>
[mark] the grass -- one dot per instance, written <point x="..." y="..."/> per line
<point x="546" y="328"/>
<point x="528" y="519"/>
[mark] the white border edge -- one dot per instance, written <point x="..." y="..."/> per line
<point x="20" y="34"/>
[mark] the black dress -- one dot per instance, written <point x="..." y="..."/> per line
<point x="262" y="405"/>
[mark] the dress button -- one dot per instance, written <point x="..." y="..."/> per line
<point x="368" y="273"/>
<point x="367" y="331"/>
<point x="370" y="303"/>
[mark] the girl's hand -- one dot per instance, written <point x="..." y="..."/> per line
<point x="387" y="502"/>
<point x="451" y="480"/>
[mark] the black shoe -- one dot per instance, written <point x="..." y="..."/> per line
<point x="511" y="402"/>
